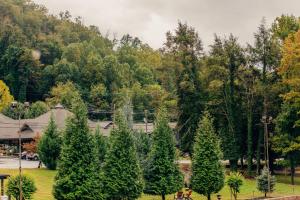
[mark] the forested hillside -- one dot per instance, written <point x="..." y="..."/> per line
<point x="39" y="51"/>
<point x="56" y="58"/>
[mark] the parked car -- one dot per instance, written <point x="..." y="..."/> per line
<point x="29" y="156"/>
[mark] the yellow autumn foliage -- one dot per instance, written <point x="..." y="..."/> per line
<point x="5" y="97"/>
<point x="290" y="67"/>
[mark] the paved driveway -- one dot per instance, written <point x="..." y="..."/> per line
<point x="13" y="163"/>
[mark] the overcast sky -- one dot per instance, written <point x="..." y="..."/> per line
<point x="151" y="19"/>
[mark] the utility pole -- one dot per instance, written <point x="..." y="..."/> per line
<point x="16" y="105"/>
<point x="266" y="121"/>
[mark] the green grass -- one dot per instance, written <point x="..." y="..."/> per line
<point x="44" y="181"/>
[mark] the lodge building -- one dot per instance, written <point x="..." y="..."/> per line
<point x="30" y="128"/>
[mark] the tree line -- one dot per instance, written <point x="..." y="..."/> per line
<point x="57" y="59"/>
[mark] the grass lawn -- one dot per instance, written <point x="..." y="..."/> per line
<point x="44" y="180"/>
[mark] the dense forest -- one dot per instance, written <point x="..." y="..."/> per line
<point x="52" y="59"/>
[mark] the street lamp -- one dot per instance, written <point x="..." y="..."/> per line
<point x="16" y="105"/>
<point x="266" y="121"/>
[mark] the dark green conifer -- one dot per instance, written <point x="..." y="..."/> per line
<point x="208" y="175"/>
<point x="162" y="175"/>
<point x="78" y="177"/>
<point x="50" y="145"/>
<point x="122" y="173"/>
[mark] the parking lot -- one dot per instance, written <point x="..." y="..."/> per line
<point x="13" y="163"/>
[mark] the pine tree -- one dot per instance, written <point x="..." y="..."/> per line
<point x="186" y="47"/>
<point x="162" y="175"/>
<point x="263" y="182"/>
<point x="77" y="177"/>
<point x="50" y="145"/>
<point x="122" y="173"/>
<point x="101" y="145"/>
<point x="208" y="175"/>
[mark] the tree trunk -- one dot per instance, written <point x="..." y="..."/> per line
<point x="265" y="194"/>
<point x="292" y="171"/>
<point x="249" y="141"/>
<point x="258" y="152"/>
<point x="242" y="162"/>
<point x="163" y="196"/>
<point x="208" y="197"/>
<point x="233" y="165"/>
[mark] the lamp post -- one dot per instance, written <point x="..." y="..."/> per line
<point x="16" y="105"/>
<point x="266" y="121"/>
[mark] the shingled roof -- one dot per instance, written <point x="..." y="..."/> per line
<point x="30" y="127"/>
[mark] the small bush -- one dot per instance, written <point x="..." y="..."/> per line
<point x="28" y="187"/>
<point x="262" y="181"/>
<point x="234" y="182"/>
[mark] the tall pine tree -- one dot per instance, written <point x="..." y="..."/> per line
<point x="208" y="174"/>
<point x="50" y="145"/>
<point x="162" y="175"/>
<point x="123" y="176"/>
<point x="186" y="48"/>
<point x="77" y="177"/>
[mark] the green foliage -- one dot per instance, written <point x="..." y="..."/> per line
<point x="98" y="95"/>
<point x="186" y="47"/>
<point x="285" y="25"/>
<point x="266" y="182"/>
<point x="28" y="187"/>
<point x="162" y="175"/>
<point x="143" y="143"/>
<point x="101" y="145"/>
<point x="122" y="173"/>
<point x="207" y="171"/>
<point x="64" y="94"/>
<point x="14" y="112"/>
<point x="286" y="142"/>
<point x="36" y="109"/>
<point x="78" y="174"/>
<point x="49" y="146"/>
<point x="234" y="182"/>
<point x="227" y="57"/>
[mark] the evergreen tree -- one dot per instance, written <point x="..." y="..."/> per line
<point x="266" y="54"/>
<point x="50" y="145"/>
<point x="101" y="145"/>
<point x="208" y="174"/>
<point x="186" y="47"/>
<point x="143" y="143"/>
<point x="77" y="177"/>
<point x="123" y="177"/>
<point x="263" y="181"/>
<point x="162" y="175"/>
<point x="229" y="56"/>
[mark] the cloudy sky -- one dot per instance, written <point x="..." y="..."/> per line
<point x="151" y="19"/>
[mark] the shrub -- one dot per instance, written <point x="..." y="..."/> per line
<point x="28" y="187"/>
<point x="262" y="181"/>
<point x="234" y="182"/>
